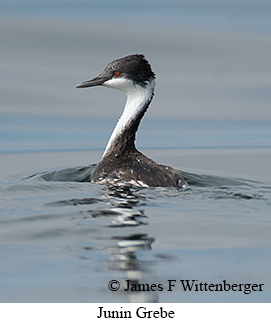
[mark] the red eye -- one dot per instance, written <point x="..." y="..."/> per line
<point x="117" y="73"/>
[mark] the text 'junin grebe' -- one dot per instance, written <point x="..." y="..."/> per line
<point x="122" y="163"/>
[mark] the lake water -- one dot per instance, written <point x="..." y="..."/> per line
<point x="62" y="238"/>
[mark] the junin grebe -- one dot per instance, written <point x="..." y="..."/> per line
<point x="122" y="163"/>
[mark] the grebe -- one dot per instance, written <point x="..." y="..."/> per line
<point x="122" y="163"/>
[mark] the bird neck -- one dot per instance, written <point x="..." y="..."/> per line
<point x="138" y="100"/>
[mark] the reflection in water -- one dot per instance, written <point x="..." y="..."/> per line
<point x="123" y="256"/>
<point x="120" y="206"/>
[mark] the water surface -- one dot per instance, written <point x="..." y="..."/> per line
<point x="63" y="239"/>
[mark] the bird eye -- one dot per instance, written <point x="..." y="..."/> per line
<point x="117" y="73"/>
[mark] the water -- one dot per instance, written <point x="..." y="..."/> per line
<point x="62" y="238"/>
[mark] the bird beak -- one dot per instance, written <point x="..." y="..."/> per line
<point x="93" y="82"/>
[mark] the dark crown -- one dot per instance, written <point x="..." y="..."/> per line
<point x="134" y="67"/>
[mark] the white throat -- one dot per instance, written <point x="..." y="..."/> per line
<point x="137" y="98"/>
